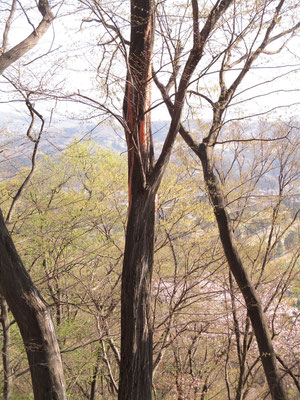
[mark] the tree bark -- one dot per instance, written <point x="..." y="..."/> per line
<point x="7" y="387"/>
<point x="9" y="57"/>
<point x="136" y="332"/>
<point x="136" y="349"/>
<point x="34" y="320"/>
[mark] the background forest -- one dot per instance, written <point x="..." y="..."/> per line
<point x="69" y="229"/>
<point x="81" y="215"/>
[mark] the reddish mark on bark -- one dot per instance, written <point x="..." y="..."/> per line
<point x="130" y="170"/>
<point x="142" y="133"/>
<point x="129" y="141"/>
<point x="129" y="115"/>
<point x="138" y="139"/>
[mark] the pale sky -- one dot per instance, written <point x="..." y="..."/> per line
<point x="76" y="59"/>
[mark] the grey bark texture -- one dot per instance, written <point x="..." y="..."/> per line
<point x="34" y="320"/>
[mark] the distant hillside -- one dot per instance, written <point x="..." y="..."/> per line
<point x="62" y="132"/>
<point x="16" y="148"/>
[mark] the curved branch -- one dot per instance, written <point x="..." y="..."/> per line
<point x="14" y="54"/>
<point x="7" y="26"/>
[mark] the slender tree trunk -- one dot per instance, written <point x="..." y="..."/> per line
<point x="238" y="270"/>
<point x="8" y="381"/>
<point x="241" y="347"/>
<point x="95" y="375"/>
<point x="34" y="320"/>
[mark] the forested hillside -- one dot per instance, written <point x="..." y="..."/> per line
<point x="69" y="230"/>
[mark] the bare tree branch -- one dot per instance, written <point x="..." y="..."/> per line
<point x="14" y="54"/>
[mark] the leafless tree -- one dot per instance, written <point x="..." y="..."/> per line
<point x="265" y="35"/>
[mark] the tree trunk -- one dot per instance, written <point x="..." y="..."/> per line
<point x="238" y="270"/>
<point x="34" y="320"/>
<point x="143" y="182"/>
<point x="136" y="340"/>
<point x="7" y="373"/>
<point x="95" y="375"/>
<point x="136" y="332"/>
